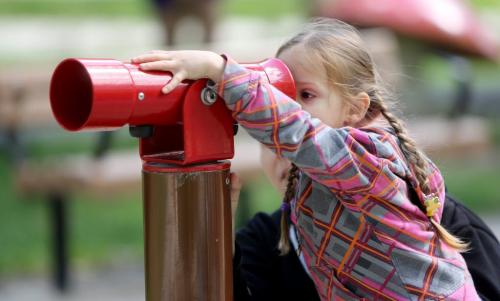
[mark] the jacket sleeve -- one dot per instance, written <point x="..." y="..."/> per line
<point x="342" y="159"/>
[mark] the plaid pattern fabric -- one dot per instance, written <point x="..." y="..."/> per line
<point x="361" y="237"/>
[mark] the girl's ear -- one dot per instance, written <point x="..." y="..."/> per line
<point x="358" y="108"/>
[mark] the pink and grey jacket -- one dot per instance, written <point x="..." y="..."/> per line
<point x="360" y="235"/>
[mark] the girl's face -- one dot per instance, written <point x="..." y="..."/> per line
<point x="315" y="96"/>
<point x="314" y="93"/>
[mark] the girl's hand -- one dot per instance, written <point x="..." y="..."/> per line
<point x="185" y="64"/>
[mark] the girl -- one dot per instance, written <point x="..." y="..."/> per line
<point x="354" y="169"/>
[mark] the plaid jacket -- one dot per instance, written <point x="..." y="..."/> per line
<point x="361" y="237"/>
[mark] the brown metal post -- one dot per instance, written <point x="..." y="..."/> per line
<point x="187" y="226"/>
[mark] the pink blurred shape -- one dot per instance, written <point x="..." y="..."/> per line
<point x="448" y="23"/>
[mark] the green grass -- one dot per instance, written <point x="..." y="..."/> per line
<point x="74" y="7"/>
<point x="495" y="128"/>
<point x="140" y="8"/>
<point x="485" y="3"/>
<point x="265" y="8"/>
<point x="105" y="230"/>
<point x="259" y="196"/>
<point x="22" y="228"/>
<point x="99" y="228"/>
<point x="474" y="181"/>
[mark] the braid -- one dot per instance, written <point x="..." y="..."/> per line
<point x="420" y="166"/>
<point x="284" y="242"/>
<point x="409" y="148"/>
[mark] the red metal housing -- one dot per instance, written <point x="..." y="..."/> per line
<point x="106" y="94"/>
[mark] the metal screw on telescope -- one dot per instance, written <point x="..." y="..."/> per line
<point x="208" y="94"/>
<point x="141" y="96"/>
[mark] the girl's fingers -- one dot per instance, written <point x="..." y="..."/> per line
<point x="177" y="79"/>
<point x="145" y="58"/>
<point x="151" y="57"/>
<point x="235" y="193"/>
<point x="236" y="183"/>
<point x="159" y="65"/>
<point x="235" y="187"/>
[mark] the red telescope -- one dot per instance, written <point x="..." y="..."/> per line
<point x="189" y="125"/>
<point x="186" y="136"/>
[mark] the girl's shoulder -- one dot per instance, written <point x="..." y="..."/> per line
<point x="379" y="130"/>
<point x="381" y="141"/>
<point x="387" y="147"/>
<point x="373" y="133"/>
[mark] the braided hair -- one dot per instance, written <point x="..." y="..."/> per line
<point x="419" y="164"/>
<point x="284" y="242"/>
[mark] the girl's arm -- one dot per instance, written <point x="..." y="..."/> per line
<point x="341" y="159"/>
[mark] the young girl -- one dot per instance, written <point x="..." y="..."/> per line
<point x="354" y="169"/>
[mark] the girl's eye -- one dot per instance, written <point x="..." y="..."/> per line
<point x="304" y="95"/>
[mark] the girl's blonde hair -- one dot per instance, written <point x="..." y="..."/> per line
<point x="350" y="69"/>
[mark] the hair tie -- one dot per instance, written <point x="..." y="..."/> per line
<point x="285" y="207"/>
<point x="432" y="204"/>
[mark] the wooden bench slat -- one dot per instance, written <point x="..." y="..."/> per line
<point x="120" y="170"/>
